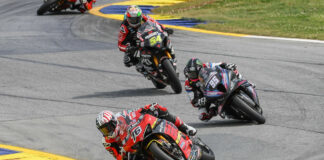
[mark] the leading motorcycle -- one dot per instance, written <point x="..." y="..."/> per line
<point x="153" y="54"/>
<point x="236" y="98"/>
<point x="56" y="6"/>
<point x="147" y="137"/>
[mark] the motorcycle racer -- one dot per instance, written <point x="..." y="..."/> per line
<point x="127" y="37"/>
<point x="193" y="85"/>
<point x="84" y="5"/>
<point x="109" y="123"/>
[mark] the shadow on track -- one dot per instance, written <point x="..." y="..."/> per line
<point x="126" y="93"/>
<point x="222" y="123"/>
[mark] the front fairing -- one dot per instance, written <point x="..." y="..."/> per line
<point x="151" y="36"/>
<point x="217" y="83"/>
<point x="132" y="129"/>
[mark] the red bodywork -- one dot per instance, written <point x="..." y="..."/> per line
<point x="133" y="127"/>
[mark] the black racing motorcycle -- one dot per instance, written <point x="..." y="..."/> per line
<point x="55" y="6"/>
<point x="236" y="98"/>
<point x="154" y="56"/>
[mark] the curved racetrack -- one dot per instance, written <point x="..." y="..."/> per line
<point x="59" y="71"/>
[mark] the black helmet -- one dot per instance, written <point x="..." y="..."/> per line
<point x="192" y="68"/>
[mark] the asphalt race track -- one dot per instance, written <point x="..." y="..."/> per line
<point x="58" y="71"/>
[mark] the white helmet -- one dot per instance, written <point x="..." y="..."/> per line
<point x="106" y="123"/>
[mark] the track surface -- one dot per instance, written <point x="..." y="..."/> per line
<point x="59" y="71"/>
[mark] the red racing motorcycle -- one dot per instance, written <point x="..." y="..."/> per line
<point x="56" y="6"/>
<point x="148" y="137"/>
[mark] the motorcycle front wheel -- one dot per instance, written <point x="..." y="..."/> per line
<point x="158" y="153"/>
<point x="207" y="154"/>
<point x="45" y="7"/>
<point x="172" y="76"/>
<point x="248" y="110"/>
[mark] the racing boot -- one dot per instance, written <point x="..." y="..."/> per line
<point x="128" y="60"/>
<point x="205" y="117"/>
<point x="206" y="114"/>
<point x="252" y="84"/>
<point x="213" y="111"/>
<point x="189" y="130"/>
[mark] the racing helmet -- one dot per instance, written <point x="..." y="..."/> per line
<point x="133" y="16"/>
<point x="192" y="68"/>
<point x="106" y="123"/>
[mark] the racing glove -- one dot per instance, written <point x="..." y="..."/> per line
<point x="190" y="131"/>
<point x="231" y="66"/>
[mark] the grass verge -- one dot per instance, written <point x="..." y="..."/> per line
<point x="282" y="18"/>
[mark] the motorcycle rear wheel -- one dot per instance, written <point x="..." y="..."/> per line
<point x="172" y="76"/>
<point x="248" y="110"/>
<point x="158" y="153"/>
<point x="45" y="7"/>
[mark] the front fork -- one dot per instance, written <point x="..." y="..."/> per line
<point x="171" y="57"/>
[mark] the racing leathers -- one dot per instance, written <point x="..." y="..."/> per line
<point x="127" y="40"/>
<point x="196" y="93"/>
<point x="114" y="145"/>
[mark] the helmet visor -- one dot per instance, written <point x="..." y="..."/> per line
<point x="108" y="129"/>
<point x="134" y="20"/>
<point x="192" y="75"/>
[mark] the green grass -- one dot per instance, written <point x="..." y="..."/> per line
<point x="283" y="18"/>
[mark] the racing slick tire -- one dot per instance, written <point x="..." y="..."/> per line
<point x="172" y="76"/>
<point x="158" y="153"/>
<point x="207" y="154"/>
<point x="247" y="109"/>
<point x="45" y="7"/>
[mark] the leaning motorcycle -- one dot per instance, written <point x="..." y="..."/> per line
<point x="147" y="137"/>
<point x="154" y="48"/>
<point x="235" y="98"/>
<point x="55" y="6"/>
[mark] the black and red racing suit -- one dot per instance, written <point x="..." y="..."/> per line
<point x="127" y="34"/>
